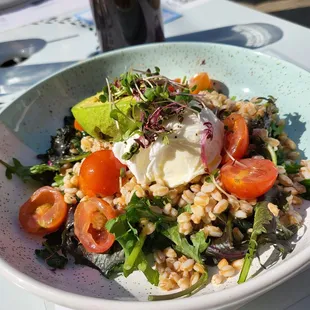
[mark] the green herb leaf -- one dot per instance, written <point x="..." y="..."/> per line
<point x="134" y="149"/>
<point x="103" y="98"/>
<point x="150" y="94"/>
<point x="292" y="168"/>
<point x="306" y="183"/>
<point x="194" y="88"/>
<point x="59" y="180"/>
<point x="182" y="245"/>
<point x="17" y="168"/>
<point x="38" y="169"/>
<point x="275" y="130"/>
<point x="126" y="235"/>
<point x="262" y="218"/>
<point x="199" y="241"/>
<point x="140" y="208"/>
<point x="280" y="156"/>
<point x="72" y="159"/>
<point x="186" y="208"/>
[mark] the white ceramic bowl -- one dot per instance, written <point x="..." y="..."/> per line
<point x="26" y="126"/>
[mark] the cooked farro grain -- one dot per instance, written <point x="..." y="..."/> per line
<point x="217" y="279"/>
<point x="227" y="271"/>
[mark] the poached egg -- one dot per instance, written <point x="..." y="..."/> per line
<point x="194" y="147"/>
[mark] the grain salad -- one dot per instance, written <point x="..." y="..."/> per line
<point x="167" y="177"/>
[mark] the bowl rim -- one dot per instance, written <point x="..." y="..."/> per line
<point x="229" y="296"/>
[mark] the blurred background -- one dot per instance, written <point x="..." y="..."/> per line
<point x="40" y="37"/>
<point x="297" y="11"/>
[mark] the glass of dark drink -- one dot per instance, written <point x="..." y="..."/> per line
<point x="122" y="23"/>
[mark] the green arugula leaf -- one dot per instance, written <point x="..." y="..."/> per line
<point x="183" y="246"/>
<point x="140" y="208"/>
<point x="262" y="218"/>
<point x="123" y="227"/>
<point x="38" y="169"/>
<point x="134" y="149"/>
<point x="23" y="172"/>
<point x="275" y="130"/>
<point x="199" y="241"/>
<point x="306" y="183"/>
<point x="292" y="168"/>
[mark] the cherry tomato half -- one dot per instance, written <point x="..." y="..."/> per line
<point x="99" y="174"/>
<point x="77" y="126"/>
<point x="90" y="218"/>
<point x="249" y="178"/>
<point x="171" y="88"/>
<point x="236" y="140"/>
<point x="44" y="212"/>
<point x="201" y="81"/>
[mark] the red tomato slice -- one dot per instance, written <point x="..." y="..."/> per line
<point x="77" y="126"/>
<point x="99" y="174"/>
<point x="201" y="81"/>
<point x="236" y="140"/>
<point x="44" y="212"/>
<point x="90" y="218"/>
<point x="249" y="178"/>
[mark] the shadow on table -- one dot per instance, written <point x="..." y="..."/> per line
<point x="254" y="35"/>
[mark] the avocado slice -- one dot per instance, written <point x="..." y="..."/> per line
<point x="94" y="116"/>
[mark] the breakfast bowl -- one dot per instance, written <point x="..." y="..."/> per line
<point x="28" y="123"/>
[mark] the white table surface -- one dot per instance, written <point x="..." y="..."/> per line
<point x="294" y="46"/>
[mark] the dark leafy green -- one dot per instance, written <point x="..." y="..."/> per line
<point x="275" y="129"/>
<point x="306" y="183"/>
<point x="51" y="256"/>
<point x="51" y="252"/>
<point x="277" y="197"/>
<point x="292" y="168"/>
<point x="224" y="247"/>
<point x="107" y="264"/>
